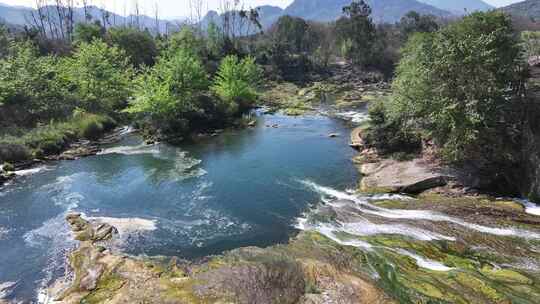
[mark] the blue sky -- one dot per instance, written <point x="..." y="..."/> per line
<point x="174" y="8"/>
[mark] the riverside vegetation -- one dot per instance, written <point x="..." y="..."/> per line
<point x="463" y="96"/>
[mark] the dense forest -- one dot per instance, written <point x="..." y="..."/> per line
<point x="63" y="81"/>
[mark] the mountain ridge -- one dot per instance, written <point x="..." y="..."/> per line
<point x="528" y="9"/>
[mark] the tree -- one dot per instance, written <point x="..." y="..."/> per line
<point x="4" y="41"/>
<point x="460" y="88"/>
<point x="236" y="83"/>
<point x="30" y="89"/>
<point x="87" y="32"/>
<point x="531" y="43"/>
<point x="186" y="39"/>
<point x="357" y="33"/>
<point x="413" y="22"/>
<point x="168" y="93"/>
<point x="99" y="76"/>
<point x="291" y="34"/>
<point x="139" y="45"/>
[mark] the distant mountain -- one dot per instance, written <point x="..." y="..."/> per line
<point x="15" y="15"/>
<point x="267" y="16"/>
<point x="383" y="10"/>
<point x="459" y="6"/>
<point x="330" y="10"/>
<point x="20" y="16"/>
<point x="528" y="9"/>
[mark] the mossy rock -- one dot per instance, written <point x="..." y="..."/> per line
<point x="8" y="167"/>
<point x="505" y="275"/>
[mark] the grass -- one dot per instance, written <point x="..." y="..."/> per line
<point x="54" y="137"/>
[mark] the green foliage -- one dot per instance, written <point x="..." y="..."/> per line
<point x="413" y="22"/>
<point x="30" y="89"/>
<point x="53" y="137"/>
<point x="531" y="43"/>
<point x="292" y="33"/>
<point x="186" y="40"/>
<point x="4" y="41"/>
<point x="236" y="83"/>
<point x="168" y="93"/>
<point x="457" y="87"/>
<point x="99" y="76"/>
<point x="139" y="45"/>
<point x="87" y="32"/>
<point x="357" y="33"/>
<point x="214" y="41"/>
<point x="387" y="132"/>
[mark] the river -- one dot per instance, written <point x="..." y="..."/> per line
<point x="242" y="188"/>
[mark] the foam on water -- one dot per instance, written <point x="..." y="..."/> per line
<point x="353" y="116"/>
<point x="362" y="205"/>
<point x="127" y="225"/>
<point x="3" y="232"/>
<point x="530" y="207"/>
<point x="366" y="228"/>
<point x="6" y="288"/>
<point x="423" y="262"/>
<point x="126" y="130"/>
<point x="33" y="171"/>
<point x="329" y="231"/>
<point x="131" y="150"/>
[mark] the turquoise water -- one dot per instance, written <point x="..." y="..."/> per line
<point x="242" y="188"/>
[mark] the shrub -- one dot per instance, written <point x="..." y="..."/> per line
<point x="99" y="76"/>
<point x="387" y="134"/>
<point x="169" y="92"/>
<point x="139" y="45"/>
<point x="88" y="32"/>
<point x="30" y="87"/>
<point x="54" y="137"/>
<point x="236" y="83"/>
<point x="458" y="87"/>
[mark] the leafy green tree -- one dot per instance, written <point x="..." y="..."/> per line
<point x="99" y="76"/>
<point x="413" y="22"/>
<point x="291" y="32"/>
<point x="214" y="41"/>
<point x="4" y="41"/>
<point x="236" y="83"/>
<point x="531" y="43"/>
<point x="30" y="90"/>
<point x="357" y="33"/>
<point x="168" y="93"/>
<point x="458" y="86"/>
<point x="87" y="32"/>
<point x="187" y="39"/>
<point x="139" y="45"/>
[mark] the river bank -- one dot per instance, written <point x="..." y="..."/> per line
<point x="346" y="246"/>
<point x="352" y="248"/>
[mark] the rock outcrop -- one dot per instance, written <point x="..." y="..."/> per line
<point x="279" y="274"/>
<point x="412" y="177"/>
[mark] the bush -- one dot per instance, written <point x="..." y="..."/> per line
<point x="168" y="93"/>
<point x="88" y="32"/>
<point x="30" y="87"/>
<point x="236" y="83"/>
<point x="458" y="86"/>
<point x="99" y="76"/>
<point x="54" y="137"/>
<point x="387" y="134"/>
<point x="139" y="45"/>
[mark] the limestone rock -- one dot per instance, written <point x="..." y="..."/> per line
<point x="410" y="177"/>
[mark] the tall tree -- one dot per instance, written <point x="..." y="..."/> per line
<point x="357" y="33"/>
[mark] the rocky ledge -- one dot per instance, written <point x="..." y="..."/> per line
<point x="303" y="271"/>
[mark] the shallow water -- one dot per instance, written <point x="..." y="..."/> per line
<point x="242" y="188"/>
